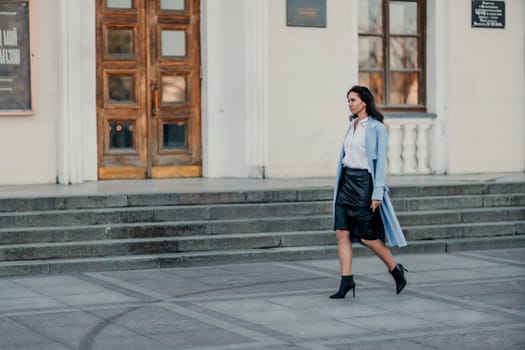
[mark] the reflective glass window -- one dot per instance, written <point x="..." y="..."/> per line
<point x="119" y="4"/>
<point x="174" y="135"/>
<point x="120" y="135"/>
<point x="173" y="43"/>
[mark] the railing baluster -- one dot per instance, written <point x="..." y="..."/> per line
<point x="409" y="149"/>
<point x="422" y="149"/>
<point x="409" y="146"/>
<point x="394" y="149"/>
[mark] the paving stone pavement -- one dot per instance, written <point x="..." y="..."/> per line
<point x="462" y="300"/>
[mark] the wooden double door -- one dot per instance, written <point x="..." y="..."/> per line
<point x="148" y="89"/>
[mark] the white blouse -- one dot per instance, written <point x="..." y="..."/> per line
<point x="354" y="145"/>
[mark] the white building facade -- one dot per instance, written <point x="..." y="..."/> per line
<point x="228" y="88"/>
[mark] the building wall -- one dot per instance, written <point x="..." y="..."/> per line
<point x="309" y="72"/>
<point x="311" y="68"/>
<point x="223" y="88"/>
<point x="273" y="96"/>
<point x="290" y="120"/>
<point x="28" y="143"/>
<point x="486" y="74"/>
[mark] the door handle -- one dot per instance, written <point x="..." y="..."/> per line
<point x="155" y="99"/>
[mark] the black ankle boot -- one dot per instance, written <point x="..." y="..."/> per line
<point x="399" y="276"/>
<point x="347" y="283"/>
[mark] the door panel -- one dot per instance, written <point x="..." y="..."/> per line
<point x="148" y="88"/>
<point x="175" y="72"/>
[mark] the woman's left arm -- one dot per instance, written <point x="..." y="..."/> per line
<point x="380" y="166"/>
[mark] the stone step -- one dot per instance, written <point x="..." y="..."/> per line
<point x="257" y="240"/>
<point x="471" y="230"/>
<point x="424" y="190"/>
<point x="441" y="222"/>
<point x="152" y="230"/>
<point x="233" y="211"/>
<point x="163" y="245"/>
<point x="161" y="214"/>
<point x="58" y="202"/>
<point x="458" y="202"/>
<point x="19" y="204"/>
<point x="453" y="216"/>
<point x="157" y="261"/>
<point x="164" y="229"/>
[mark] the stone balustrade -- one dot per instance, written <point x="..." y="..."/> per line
<point x="409" y="145"/>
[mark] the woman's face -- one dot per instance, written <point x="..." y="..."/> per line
<point x="355" y="103"/>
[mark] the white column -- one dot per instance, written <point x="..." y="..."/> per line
<point x="256" y="43"/>
<point x="76" y="99"/>
<point x="394" y="149"/>
<point x="409" y="148"/>
<point x="422" y="149"/>
<point x="438" y="81"/>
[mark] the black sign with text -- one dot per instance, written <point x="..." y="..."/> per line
<point x="488" y="14"/>
<point x="15" y="57"/>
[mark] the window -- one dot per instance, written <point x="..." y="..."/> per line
<point x="392" y="52"/>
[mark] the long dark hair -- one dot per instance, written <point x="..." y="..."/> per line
<point x="368" y="98"/>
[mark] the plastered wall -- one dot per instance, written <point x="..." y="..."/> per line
<point x="28" y="146"/>
<point x="310" y="71"/>
<point x="476" y="88"/>
<point x="486" y="124"/>
<point x="223" y="89"/>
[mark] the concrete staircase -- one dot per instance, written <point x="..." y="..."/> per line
<point x="140" y="231"/>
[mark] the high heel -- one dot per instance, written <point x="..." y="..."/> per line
<point x="347" y="283"/>
<point x="399" y="276"/>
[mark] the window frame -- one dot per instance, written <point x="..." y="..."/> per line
<point x="386" y="70"/>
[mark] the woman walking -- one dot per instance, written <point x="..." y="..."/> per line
<point x="362" y="209"/>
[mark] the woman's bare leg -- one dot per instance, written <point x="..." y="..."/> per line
<point x="382" y="251"/>
<point x="344" y="250"/>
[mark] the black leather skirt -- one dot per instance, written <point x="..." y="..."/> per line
<point x="352" y="207"/>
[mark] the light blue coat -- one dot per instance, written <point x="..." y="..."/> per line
<point x="376" y="142"/>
